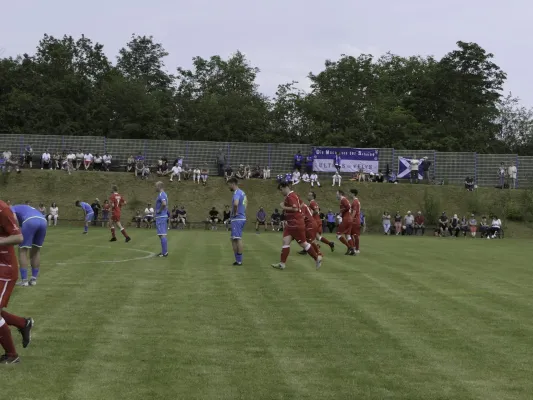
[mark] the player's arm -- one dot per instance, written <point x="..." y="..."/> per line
<point x="10" y="226"/>
<point x="293" y="207"/>
<point x="163" y="206"/>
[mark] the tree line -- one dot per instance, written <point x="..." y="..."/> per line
<point x="70" y="87"/>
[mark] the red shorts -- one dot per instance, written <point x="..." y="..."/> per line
<point x="115" y="217"/>
<point x="87" y="163"/>
<point x="310" y="232"/>
<point x="6" y="288"/>
<point x="318" y="223"/>
<point x="345" y="227"/>
<point x="297" y="233"/>
<point x="356" y="230"/>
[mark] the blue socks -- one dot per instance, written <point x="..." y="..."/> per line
<point x="238" y="257"/>
<point x="34" y="272"/>
<point x="85" y="228"/>
<point x="164" y="247"/>
<point x="24" y="274"/>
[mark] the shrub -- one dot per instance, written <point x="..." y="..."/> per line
<point x="431" y="207"/>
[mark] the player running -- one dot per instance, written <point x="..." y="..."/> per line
<point x="117" y="201"/>
<point x="344" y="229"/>
<point x="161" y="218"/>
<point x="237" y="218"/>
<point x="33" y="227"/>
<point x="294" y="228"/>
<point x="311" y="229"/>
<point x="313" y="205"/>
<point x="10" y="235"/>
<point x="356" y="220"/>
<point x="89" y="214"/>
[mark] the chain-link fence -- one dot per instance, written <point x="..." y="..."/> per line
<point x="449" y="167"/>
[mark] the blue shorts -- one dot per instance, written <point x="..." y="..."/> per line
<point x="236" y="228"/>
<point x="89" y="217"/>
<point x="161" y="225"/>
<point x="33" y="232"/>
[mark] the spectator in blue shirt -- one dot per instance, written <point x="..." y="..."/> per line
<point x="338" y="162"/>
<point x="298" y="161"/>
<point x="330" y="218"/>
<point x="309" y="163"/>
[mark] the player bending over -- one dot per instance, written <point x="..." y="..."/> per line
<point x="117" y="201"/>
<point x="33" y="227"/>
<point x="89" y="214"/>
<point x="356" y="220"/>
<point x="294" y="228"/>
<point x="237" y="218"/>
<point x="10" y="235"/>
<point x="344" y="229"/>
<point x="313" y="205"/>
<point x="161" y="218"/>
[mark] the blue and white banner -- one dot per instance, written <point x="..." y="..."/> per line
<point x="352" y="160"/>
<point x="404" y="168"/>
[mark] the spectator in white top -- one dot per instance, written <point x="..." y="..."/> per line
<point x="71" y="162"/>
<point x="98" y="162"/>
<point x="512" y="172"/>
<point x="305" y="177"/>
<point x="337" y="179"/>
<point x="7" y="155"/>
<point x="495" y="228"/>
<point x="196" y="175"/>
<point x="107" y="161"/>
<point x="79" y="159"/>
<point x="148" y="215"/>
<point x="409" y="221"/>
<point x="296" y="177"/>
<point x="46" y="160"/>
<point x="87" y="160"/>
<point x="176" y="171"/>
<point x="266" y="172"/>
<point x="314" y="180"/>
<point x="53" y="215"/>
<point x="415" y="163"/>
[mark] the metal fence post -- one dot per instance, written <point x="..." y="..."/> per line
<point x="269" y="156"/>
<point x="105" y="145"/>
<point x="228" y="162"/>
<point x="63" y="142"/>
<point x="21" y="145"/>
<point x="475" y="168"/>
<point x="144" y="148"/>
<point x="516" y="163"/>
<point x="186" y="150"/>
<point x="434" y="164"/>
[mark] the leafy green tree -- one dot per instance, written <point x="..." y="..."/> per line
<point x="515" y="124"/>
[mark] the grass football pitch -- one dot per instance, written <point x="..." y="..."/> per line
<point x="409" y="318"/>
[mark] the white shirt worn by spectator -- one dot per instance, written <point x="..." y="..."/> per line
<point x="314" y="179"/>
<point x="337" y="179"/>
<point x="148" y="212"/>
<point x="79" y="156"/>
<point x="176" y="171"/>
<point x="107" y="159"/>
<point x="98" y="160"/>
<point x="88" y="157"/>
<point x="414" y="164"/>
<point x="496" y="223"/>
<point x="53" y="215"/>
<point x="266" y="173"/>
<point x="45" y="158"/>
<point x="7" y="155"/>
<point x="305" y="177"/>
<point x="71" y="157"/>
<point x="512" y="171"/>
<point x="296" y="177"/>
<point x="196" y="175"/>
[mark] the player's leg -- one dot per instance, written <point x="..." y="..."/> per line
<point x="35" y="251"/>
<point x="161" y="229"/>
<point x="237" y="228"/>
<point x="300" y="238"/>
<point x="356" y="232"/>
<point x="285" y="250"/>
<point x="123" y="230"/>
<point x="112" y="228"/>
<point x="24" y="261"/>
<point x="341" y="235"/>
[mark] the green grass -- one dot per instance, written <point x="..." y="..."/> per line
<point x="410" y="318"/>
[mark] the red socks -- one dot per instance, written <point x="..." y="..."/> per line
<point x="311" y="251"/>
<point x="316" y="249"/>
<point x="356" y="241"/>
<point x="123" y="231"/>
<point x="285" y="253"/>
<point x="6" y="340"/>
<point x="13" y="320"/>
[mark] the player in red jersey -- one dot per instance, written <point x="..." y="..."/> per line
<point x="10" y="235"/>
<point x="313" y="205"/>
<point x="294" y="227"/>
<point x="344" y="229"/>
<point x="311" y="229"/>
<point x="356" y="220"/>
<point x="117" y="201"/>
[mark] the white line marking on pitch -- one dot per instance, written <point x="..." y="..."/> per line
<point x="149" y="255"/>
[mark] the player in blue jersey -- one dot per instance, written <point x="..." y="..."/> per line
<point x="237" y="218"/>
<point x="89" y="214"/>
<point x="33" y="228"/>
<point x="161" y="218"/>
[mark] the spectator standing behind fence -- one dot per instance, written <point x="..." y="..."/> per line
<point x="338" y="162"/>
<point x="414" y="164"/>
<point x="512" y="172"/>
<point x="426" y="165"/>
<point x="298" y="161"/>
<point x="46" y="160"/>
<point x="501" y="176"/>
<point x="309" y="163"/>
<point x="221" y="162"/>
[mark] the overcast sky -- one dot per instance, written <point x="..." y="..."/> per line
<point x="286" y="39"/>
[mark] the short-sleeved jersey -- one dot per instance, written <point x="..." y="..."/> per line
<point x="313" y="205"/>
<point x="240" y="197"/>
<point x="356" y="212"/>
<point x="24" y="212"/>
<point x="293" y="218"/>
<point x="345" y="208"/>
<point x="117" y="201"/>
<point x="86" y="207"/>
<point x="160" y="210"/>
<point x="308" y="217"/>
<point x="8" y="227"/>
